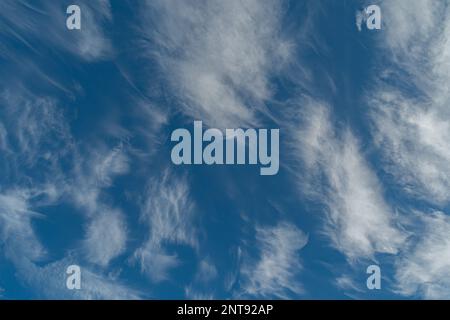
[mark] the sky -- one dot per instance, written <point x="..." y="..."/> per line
<point x="86" y="176"/>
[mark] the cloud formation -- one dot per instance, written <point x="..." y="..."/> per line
<point x="409" y="102"/>
<point x="424" y="269"/>
<point x="274" y="273"/>
<point x="26" y="22"/>
<point x="168" y="209"/>
<point x="358" y="220"/>
<point x="219" y="56"/>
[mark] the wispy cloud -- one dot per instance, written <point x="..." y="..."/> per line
<point x="35" y="139"/>
<point x="16" y="231"/>
<point x="410" y="99"/>
<point x="410" y="124"/>
<point x="358" y="220"/>
<point x="193" y="294"/>
<point x="106" y="233"/>
<point x="360" y="17"/>
<point x="27" y="22"/>
<point x="202" y="286"/>
<point x="275" y="272"/>
<point x="37" y="145"/>
<point x="24" y="249"/>
<point x="424" y="269"/>
<point x="34" y="131"/>
<point x="218" y="56"/>
<point x="106" y="237"/>
<point x="49" y="282"/>
<point x="94" y="172"/>
<point x="206" y="271"/>
<point x="168" y="209"/>
<point x="347" y="283"/>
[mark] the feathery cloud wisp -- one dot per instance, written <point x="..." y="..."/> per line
<point x="169" y="211"/>
<point x="411" y="116"/>
<point x="274" y="273"/>
<point x="358" y="220"/>
<point x="45" y="22"/>
<point x="424" y="269"/>
<point x="218" y="56"/>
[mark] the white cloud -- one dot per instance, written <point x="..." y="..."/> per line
<point x="274" y="273"/>
<point x="333" y="171"/>
<point x="424" y="269"/>
<point x="155" y="262"/>
<point x="410" y="99"/>
<point x="413" y="138"/>
<point x="409" y="110"/>
<point x="3" y="138"/>
<point x="37" y="140"/>
<point x="193" y="294"/>
<point x="206" y="272"/>
<point x="105" y="237"/>
<point x="34" y="131"/>
<point x="16" y="231"/>
<point x="219" y="55"/>
<point x="110" y="164"/>
<point x="106" y="233"/>
<point x="46" y="24"/>
<point x="38" y="143"/>
<point x="100" y="287"/>
<point x="49" y="282"/>
<point x="41" y="163"/>
<point x="169" y="211"/>
<point x="410" y="23"/>
<point x="348" y="283"/>
<point x="94" y="172"/>
<point x="92" y="43"/>
<point x="360" y="19"/>
<point x="23" y="248"/>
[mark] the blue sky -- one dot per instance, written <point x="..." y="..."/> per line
<point x="87" y="179"/>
